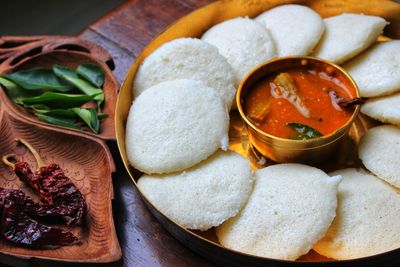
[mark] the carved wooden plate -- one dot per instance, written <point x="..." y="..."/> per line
<point x="18" y="53"/>
<point x="83" y="155"/>
<point x="87" y="161"/>
<point x="194" y="25"/>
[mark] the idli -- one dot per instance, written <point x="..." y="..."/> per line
<point x="289" y="210"/>
<point x="243" y="42"/>
<point x="174" y="125"/>
<point x="367" y="220"/>
<point x="187" y="58"/>
<point x="205" y="195"/>
<point x="295" y="29"/>
<point x="384" y="109"/>
<point x="347" y="35"/>
<point x="379" y="150"/>
<point x="377" y="71"/>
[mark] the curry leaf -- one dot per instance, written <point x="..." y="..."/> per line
<point x="59" y="121"/>
<point x="304" y="132"/>
<point x="55" y="100"/>
<point x="89" y="116"/>
<point x="13" y="90"/>
<point x="38" y="78"/>
<point x="59" y="113"/>
<point x="85" y="87"/>
<point x="102" y="116"/>
<point x="92" y="73"/>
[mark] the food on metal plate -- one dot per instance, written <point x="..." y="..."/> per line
<point x="290" y="209"/>
<point x="379" y="150"/>
<point x="204" y="195"/>
<point x="243" y="42"/>
<point x="187" y="58"/>
<point x="347" y="35"/>
<point x="301" y="102"/>
<point x="377" y="70"/>
<point x="295" y="29"/>
<point x="385" y="108"/>
<point x="175" y="125"/>
<point x="367" y="220"/>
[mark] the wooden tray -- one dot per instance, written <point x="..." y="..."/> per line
<point x="194" y="25"/>
<point x="17" y="53"/>
<point x="83" y="156"/>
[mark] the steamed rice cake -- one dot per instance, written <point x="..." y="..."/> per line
<point x="347" y="35"/>
<point x="367" y="220"/>
<point x="377" y="70"/>
<point x="187" y="58"/>
<point x="385" y="109"/>
<point x="174" y="125"/>
<point x="243" y="42"/>
<point x="379" y="150"/>
<point x="295" y="29"/>
<point x="204" y="195"/>
<point x="289" y="210"/>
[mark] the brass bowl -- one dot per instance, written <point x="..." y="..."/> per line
<point x="194" y="25"/>
<point x="288" y="150"/>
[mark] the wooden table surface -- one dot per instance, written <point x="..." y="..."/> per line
<point x="124" y="32"/>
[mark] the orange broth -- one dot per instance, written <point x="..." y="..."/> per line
<point x="313" y="86"/>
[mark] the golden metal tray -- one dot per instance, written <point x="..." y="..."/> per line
<point x="194" y="25"/>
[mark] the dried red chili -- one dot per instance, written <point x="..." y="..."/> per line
<point x="18" y="227"/>
<point x="52" y="186"/>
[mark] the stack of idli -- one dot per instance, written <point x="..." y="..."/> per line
<point x="177" y="135"/>
<point x="290" y="209"/>
<point x="187" y="58"/>
<point x="347" y="35"/>
<point x="243" y="42"/>
<point x="367" y="220"/>
<point x="377" y="74"/>
<point x="295" y="29"/>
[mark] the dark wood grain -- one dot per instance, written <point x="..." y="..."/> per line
<point x="137" y="22"/>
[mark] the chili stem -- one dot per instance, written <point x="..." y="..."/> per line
<point x="7" y="162"/>
<point x="38" y="159"/>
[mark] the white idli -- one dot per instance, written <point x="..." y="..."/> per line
<point x="289" y="210"/>
<point x="205" y="195"/>
<point x="379" y="150"/>
<point x="174" y="125"/>
<point x="243" y="42"/>
<point x="187" y="58"/>
<point x="385" y="109"/>
<point x="377" y="71"/>
<point x="295" y="29"/>
<point x="347" y="35"/>
<point x="367" y="220"/>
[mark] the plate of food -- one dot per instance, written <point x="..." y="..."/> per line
<point x="262" y="132"/>
<point x="56" y="170"/>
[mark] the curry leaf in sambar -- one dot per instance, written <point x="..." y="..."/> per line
<point x="303" y="132"/>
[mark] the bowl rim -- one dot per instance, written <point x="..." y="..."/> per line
<point x="337" y="133"/>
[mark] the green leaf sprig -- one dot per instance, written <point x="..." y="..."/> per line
<point x="303" y="132"/>
<point x="56" y="95"/>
